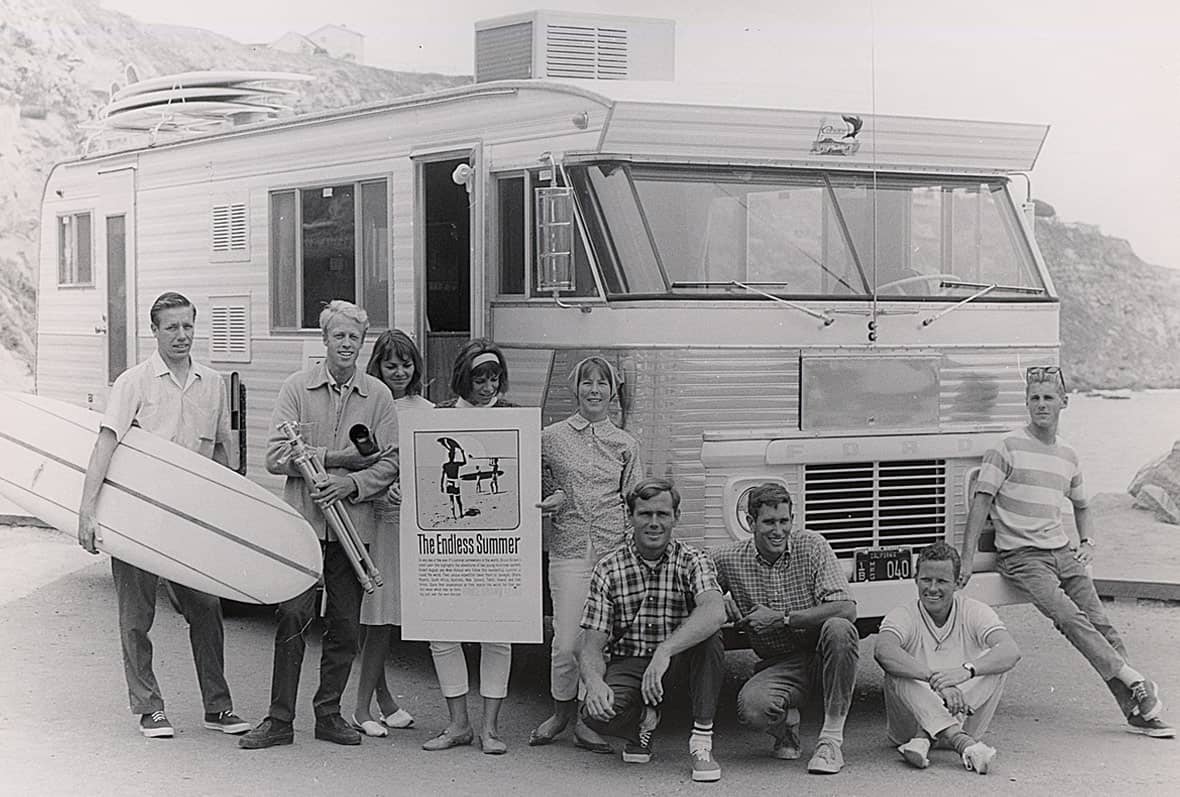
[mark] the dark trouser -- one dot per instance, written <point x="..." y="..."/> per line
<point x="783" y="683"/>
<point x="341" y="640"/>
<point x="701" y="667"/>
<point x="135" y="590"/>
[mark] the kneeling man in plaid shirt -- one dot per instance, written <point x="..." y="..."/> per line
<point x="655" y="603"/>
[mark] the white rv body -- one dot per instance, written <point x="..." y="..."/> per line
<point x="725" y="387"/>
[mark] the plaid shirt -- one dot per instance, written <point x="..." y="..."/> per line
<point x="806" y="575"/>
<point x="640" y="606"/>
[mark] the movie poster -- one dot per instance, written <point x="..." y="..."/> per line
<point x="470" y="529"/>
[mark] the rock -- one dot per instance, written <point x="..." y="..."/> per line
<point x="1154" y="499"/>
<point x="1156" y="486"/>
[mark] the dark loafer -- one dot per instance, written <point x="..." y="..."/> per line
<point x="333" y="728"/>
<point x="445" y="741"/>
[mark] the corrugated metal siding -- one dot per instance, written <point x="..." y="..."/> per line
<point x="986" y="388"/>
<point x="886" y="142"/>
<point x="504" y="53"/>
<point x="680" y="393"/>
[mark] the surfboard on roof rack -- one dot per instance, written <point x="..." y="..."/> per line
<point x="183" y="97"/>
<point x="179" y="115"/>
<point x="206" y="78"/>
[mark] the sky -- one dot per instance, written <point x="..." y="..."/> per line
<point x="1104" y="75"/>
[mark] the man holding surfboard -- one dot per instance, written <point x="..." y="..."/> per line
<point x="326" y="401"/>
<point x="179" y="399"/>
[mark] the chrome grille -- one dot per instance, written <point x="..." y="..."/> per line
<point x="865" y="504"/>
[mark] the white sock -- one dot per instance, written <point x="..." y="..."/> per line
<point x="1129" y="675"/>
<point x="833" y="729"/>
<point x="702" y="736"/>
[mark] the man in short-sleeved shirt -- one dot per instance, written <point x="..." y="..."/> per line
<point x="172" y="396"/>
<point x="786" y="591"/>
<point x="1022" y="483"/>
<point x="655" y="604"/>
<point x="945" y="657"/>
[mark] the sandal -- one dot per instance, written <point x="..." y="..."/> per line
<point x="538" y="739"/>
<point x="601" y="748"/>
<point x="369" y="727"/>
<point x="445" y="741"/>
<point x="492" y="744"/>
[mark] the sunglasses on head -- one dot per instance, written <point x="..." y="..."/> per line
<point x="1045" y="373"/>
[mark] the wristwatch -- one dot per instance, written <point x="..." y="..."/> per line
<point x="1088" y="541"/>
<point x="969" y="667"/>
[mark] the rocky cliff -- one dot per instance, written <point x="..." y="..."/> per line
<point x="1120" y="316"/>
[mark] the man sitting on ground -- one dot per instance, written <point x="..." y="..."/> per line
<point x="945" y="657"/>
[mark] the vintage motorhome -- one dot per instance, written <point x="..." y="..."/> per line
<point x="839" y="301"/>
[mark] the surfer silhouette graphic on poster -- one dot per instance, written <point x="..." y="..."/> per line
<point x="468" y="481"/>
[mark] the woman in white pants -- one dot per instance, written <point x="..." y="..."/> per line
<point x="479" y="379"/>
<point x="588" y="466"/>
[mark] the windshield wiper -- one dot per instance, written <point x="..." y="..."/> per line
<point x="723" y="284"/>
<point x="986" y="290"/>
<point x="827" y="319"/>
<point x="994" y="287"/>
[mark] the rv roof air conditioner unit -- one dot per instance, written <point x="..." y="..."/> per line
<point x="553" y="44"/>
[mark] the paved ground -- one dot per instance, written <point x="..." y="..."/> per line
<point x="64" y="726"/>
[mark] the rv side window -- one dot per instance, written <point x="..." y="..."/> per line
<point x="74" y="247"/>
<point x="329" y="242"/>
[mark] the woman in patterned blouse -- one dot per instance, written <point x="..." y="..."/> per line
<point x="588" y="466"/>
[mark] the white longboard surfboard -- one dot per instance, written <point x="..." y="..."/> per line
<point x="163" y="508"/>
<point x="176" y="99"/>
<point x="223" y="77"/>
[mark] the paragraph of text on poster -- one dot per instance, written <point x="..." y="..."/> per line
<point x="451" y="565"/>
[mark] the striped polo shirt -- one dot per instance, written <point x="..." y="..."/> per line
<point x="1029" y="479"/>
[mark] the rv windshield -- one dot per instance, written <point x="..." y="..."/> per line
<point x="695" y="231"/>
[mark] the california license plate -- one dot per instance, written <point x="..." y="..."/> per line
<point x="882" y="564"/>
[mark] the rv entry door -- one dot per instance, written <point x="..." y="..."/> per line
<point x="445" y="186"/>
<point x="116" y="250"/>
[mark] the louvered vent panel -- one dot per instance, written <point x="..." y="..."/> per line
<point x="229" y="329"/>
<point x="866" y="504"/>
<point x="587" y="52"/>
<point x="230" y="231"/>
<point x="504" y="53"/>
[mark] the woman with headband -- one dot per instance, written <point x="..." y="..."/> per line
<point x="588" y="465"/>
<point x="479" y="379"/>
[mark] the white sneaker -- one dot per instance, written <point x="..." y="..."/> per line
<point x="917" y="752"/>
<point x="978" y="757"/>
<point x="398" y="720"/>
